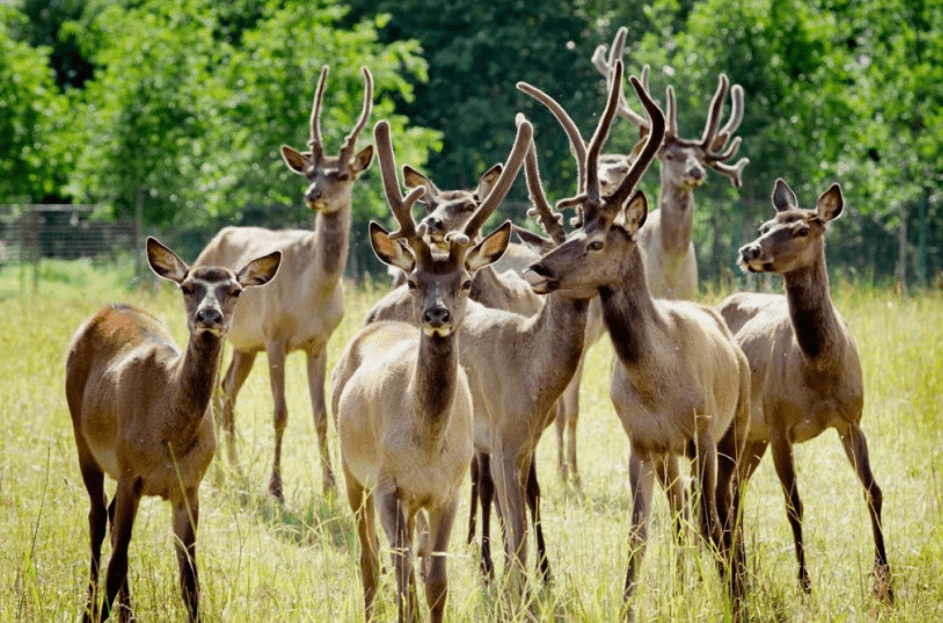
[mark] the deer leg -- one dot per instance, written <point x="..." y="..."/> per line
<point x="441" y="521"/>
<point x="641" y="482"/>
<point x="729" y="455"/>
<point x="786" y="470"/>
<point x="510" y="490"/>
<point x="560" y="424"/>
<point x="236" y="375"/>
<point x="533" y="501"/>
<point x="706" y="460"/>
<point x="186" y="519"/>
<point x="423" y="543"/>
<point x="856" y="448"/>
<point x="362" y="505"/>
<point x="317" y="364"/>
<point x="669" y="477"/>
<point x="570" y="404"/>
<point x="94" y="480"/>
<point x="397" y="529"/>
<point x="475" y="476"/>
<point x="486" y="495"/>
<point x="127" y="498"/>
<point x="276" y="368"/>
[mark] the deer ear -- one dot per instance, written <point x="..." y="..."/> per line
<point x="390" y="251"/>
<point x="165" y="263"/>
<point x="635" y="212"/>
<point x="487" y="181"/>
<point x="489" y="250"/>
<point x="414" y="179"/>
<point x="830" y="204"/>
<point x="295" y="160"/>
<point x="260" y="271"/>
<point x="535" y="242"/>
<point x="783" y="197"/>
<point x="362" y="160"/>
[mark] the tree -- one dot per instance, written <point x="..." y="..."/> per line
<point x="33" y="158"/>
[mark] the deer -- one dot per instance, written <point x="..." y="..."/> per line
<point x="401" y="400"/>
<point x="680" y="383"/>
<point x="666" y="237"/>
<point x="141" y="413"/>
<point x="806" y="368"/>
<point x="302" y="310"/>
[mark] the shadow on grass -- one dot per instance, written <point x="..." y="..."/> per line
<point x="323" y="519"/>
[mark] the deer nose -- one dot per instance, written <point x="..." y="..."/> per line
<point x="313" y="193"/>
<point x="436" y="316"/>
<point x="209" y="316"/>
<point x="434" y="223"/>
<point x="750" y="252"/>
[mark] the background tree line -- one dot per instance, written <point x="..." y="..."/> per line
<point x="177" y="108"/>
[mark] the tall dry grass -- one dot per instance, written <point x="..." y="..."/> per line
<point x="260" y="561"/>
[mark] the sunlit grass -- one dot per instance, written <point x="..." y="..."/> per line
<point x="260" y="561"/>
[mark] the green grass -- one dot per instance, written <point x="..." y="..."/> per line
<point x="260" y="561"/>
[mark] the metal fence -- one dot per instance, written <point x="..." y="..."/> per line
<point x="31" y="232"/>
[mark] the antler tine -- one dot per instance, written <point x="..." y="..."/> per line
<point x="713" y="115"/>
<point x="732" y="171"/>
<point x="605" y="66"/>
<point x="593" y="201"/>
<point x="652" y="144"/>
<point x="402" y="208"/>
<point x="317" y="147"/>
<point x="736" y="117"/>
<point x="351" y="141"/>
<point x="577" y="144"/>
<point x="551" y="221"/>
<point x="525" y="135"/>
<point x="672" y="117"/>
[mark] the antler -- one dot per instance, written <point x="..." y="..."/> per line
<point x="523" y="140"/>
<point x="713" y="141"/>
<point x="606" y="66"/>
<point x="652" y="144"/>
<point x="317" y="147"/>
<point x="551" y="221"/>
<point x="350" y="143"/>
<point x="577" y="144"/>
<point x="402" y="208"/>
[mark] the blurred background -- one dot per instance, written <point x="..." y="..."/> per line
<point x="125" y="118"/>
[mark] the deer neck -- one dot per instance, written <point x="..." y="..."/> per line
<point x="677" y="215"/>
<point x="332" y="243"/>
<point x="557" y="333"/>
<point x="814" y="321"/>
<point x="629" y="312"/>
<point x="434" y="383"/>
<point x="194" y="383"/>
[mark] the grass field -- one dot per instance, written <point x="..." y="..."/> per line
<point x="260" y="561"/>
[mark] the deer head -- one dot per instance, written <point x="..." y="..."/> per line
<point x="330" y="178"/>
<point x="439" y="283"/>
<point x="449" y="210"/>
<point x="592" y="255"/>
<point x="795" y="238"/>
<point x="684" y="161"/>
<point x="209" y="292"/>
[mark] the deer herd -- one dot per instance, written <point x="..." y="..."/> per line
<point x="421" y="396"/>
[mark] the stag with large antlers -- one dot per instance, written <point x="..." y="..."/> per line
<point x="680" y="385"/>
<point x="665" y="239"/>
<point x="301" y="310"/>
<point x="806" y="369"/>
<point x="141" y="414"/>
<point x="402" y="402"/>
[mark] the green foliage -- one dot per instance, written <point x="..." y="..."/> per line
<point x="33" y="158"/>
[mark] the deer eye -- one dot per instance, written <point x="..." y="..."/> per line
<point x="595" y="245"/>
<point x="466" y="285"/>
<point x="186" y="288"/>
<point x="343" y="177"/>
<point x="801" y="232"/>
<point x="411" y="285"/>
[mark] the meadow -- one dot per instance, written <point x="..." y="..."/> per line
<point x="261" y="561"/>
